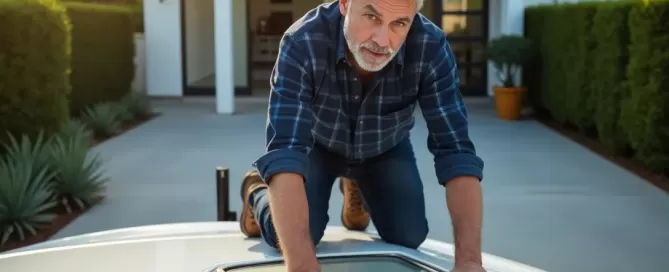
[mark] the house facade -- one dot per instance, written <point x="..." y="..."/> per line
<point x="226" y="48"/>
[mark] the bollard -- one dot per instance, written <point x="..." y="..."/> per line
<point x="223" y="195"/>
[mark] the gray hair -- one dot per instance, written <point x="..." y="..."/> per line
<point x="419" y="4"/>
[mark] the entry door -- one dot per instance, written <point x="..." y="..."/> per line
<point x="466" y="25"/>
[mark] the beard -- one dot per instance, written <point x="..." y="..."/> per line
<point x="371" y="63"/>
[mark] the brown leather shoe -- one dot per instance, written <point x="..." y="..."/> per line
<point x="353" y="213"/>
<point x="247" y="222"/>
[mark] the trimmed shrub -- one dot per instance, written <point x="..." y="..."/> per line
<point x="644" y="115"/>
<point x="546" y="73"/>
<point x="103" y="52"/>
<point x="610" y="58"/>
<point x="578" y="45"/>
<point x="136" y="8"/>
<point x="34" y="66"/>
<point x="531" y="72"/>
<point x="605" y="65"/>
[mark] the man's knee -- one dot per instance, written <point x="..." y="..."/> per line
<point x="316" y="229"/>
<point x="411" y="236"/>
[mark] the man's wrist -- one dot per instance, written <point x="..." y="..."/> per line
<point x="468" y="258"/>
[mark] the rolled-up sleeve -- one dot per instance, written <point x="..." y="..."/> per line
<point x="289" y="116"/>
<point x="446" y="117"/>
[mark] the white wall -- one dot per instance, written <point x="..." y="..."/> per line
<point x="199" y="39"/>
<point x="163" y="42"/>
<point x="240" y="42"/>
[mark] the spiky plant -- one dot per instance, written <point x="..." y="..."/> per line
<point x="36" y="152"/>
<point x="123" y="112"/>
<point x="74" y="128"/>
<point x="79" y="176"/>
<point x="103" y="119"/>
<point x="25" y="197"/>
<point x="137" y="104"/>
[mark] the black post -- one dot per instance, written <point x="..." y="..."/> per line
<point x="223" y="195"/>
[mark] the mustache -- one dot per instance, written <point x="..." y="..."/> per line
<point x="376" y="48"/>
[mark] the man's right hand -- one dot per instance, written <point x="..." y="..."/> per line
<point x="290" y="213"/>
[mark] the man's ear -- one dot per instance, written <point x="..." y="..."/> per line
<point x="342" y="6"/>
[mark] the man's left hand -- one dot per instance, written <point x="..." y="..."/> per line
<point x="468" y="267"/>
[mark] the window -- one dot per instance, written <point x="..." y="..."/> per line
<point x="343" y="264"/>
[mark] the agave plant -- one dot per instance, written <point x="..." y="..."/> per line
<point x="79" y="176"/>
<point x="37" y="153"/>
<point x="25" y="198"/>
<point x="123" y="113"/>
<point x="103" y="119"/>
<point x="73" y="128"/>
<point x="137" y="104"/>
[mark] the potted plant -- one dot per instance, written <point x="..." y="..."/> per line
<point x="508" y="53"/>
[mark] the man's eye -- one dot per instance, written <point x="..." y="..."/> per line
<point x="371" y="16"/>
<point x="400" y="24"/>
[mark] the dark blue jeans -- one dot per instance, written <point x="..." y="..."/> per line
<point x="390" y="185"/>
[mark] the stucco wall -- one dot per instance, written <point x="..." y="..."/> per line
<point x="163" y="42"/>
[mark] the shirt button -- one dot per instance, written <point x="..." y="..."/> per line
<point x="355" y="79"/>
<point x="361" y="122"/>
<point x="357" y="97"/>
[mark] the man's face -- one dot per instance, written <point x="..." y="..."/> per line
<point x="375" y="29"/>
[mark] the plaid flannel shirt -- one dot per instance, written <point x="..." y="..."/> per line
<point x="317" y="98"/>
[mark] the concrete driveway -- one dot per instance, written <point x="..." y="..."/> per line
<point x="548" y="201"/>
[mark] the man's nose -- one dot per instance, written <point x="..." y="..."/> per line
<point x="382" y="37"/>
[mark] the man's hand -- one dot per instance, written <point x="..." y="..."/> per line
<point x="464" y="202"/>
<point x="290" y="213"/>
<point x="468" y="267"/>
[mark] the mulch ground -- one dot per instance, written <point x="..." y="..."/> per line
<point x="659" y="180"/>
<point x="125" y="128"/>
<point x="63" y="218"/>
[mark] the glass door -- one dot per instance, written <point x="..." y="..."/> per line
<point x="466" y="25"/>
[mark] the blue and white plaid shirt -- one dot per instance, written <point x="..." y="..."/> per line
<point x="317" y="97"/>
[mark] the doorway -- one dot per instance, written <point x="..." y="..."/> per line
<point x="466" y="25"/>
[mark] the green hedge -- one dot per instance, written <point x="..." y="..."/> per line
<point x="34" y="66"/>
<point x="136" y="7"/>
<point x="578" y="22"/>
<point x="645" y="115"/>
<point x="604" y="68"/>
<point x="609" y="72"/>
<point x="103" y="52"/>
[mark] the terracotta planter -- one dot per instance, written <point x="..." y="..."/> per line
<point x="509" y="102"/>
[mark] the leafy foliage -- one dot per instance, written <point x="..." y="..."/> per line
<point x="34" y="66"/>
<point x="508" y="53"/>
<point x="137" y="105"/>
<point x="103" y="118"/>
<point x="36" y="152"/>
<point x="644" y="114"/>
<point x="79" y="176"/>
<point x="603" y="66"/>
<point x="103" y="53"/>
<point x="25" y="197"/>
<point x="610" y="57"/>
<point x="74" y="128"/>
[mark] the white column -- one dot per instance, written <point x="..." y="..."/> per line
<point x="225" y="83"/>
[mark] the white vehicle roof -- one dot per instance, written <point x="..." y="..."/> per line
<point x="220" y="246"/>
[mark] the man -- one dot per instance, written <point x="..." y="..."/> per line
<point x="344" y="89"/>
